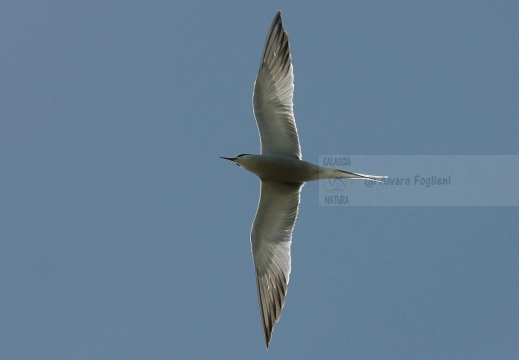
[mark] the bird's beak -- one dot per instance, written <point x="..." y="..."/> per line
<point x="230" y="159"/>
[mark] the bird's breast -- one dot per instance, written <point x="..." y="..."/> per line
<point x="281" y="168"/>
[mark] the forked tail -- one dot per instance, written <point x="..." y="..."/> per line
<point x="336" y="173"/>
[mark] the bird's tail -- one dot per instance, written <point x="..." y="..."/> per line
<point x="336" y="173"/>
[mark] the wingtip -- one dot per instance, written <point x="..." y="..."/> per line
<point x="268" y="336"/>
<point x="277" y="18"/>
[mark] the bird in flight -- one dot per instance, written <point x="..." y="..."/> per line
<point x="282" y="174"/>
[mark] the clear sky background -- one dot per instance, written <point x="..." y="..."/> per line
<point x="124" y="236"/>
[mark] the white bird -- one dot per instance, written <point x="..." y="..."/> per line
<point x="282" y="174"/>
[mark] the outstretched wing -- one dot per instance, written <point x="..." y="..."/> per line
<point x="273" y="94"/>
<point x="271" y="237"/>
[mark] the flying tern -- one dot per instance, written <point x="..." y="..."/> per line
<point x="282" y="173"/>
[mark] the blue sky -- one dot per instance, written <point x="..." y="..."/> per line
<point x="124" y="236"/>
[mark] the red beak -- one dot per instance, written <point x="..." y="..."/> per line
<point x="230" y="159"/>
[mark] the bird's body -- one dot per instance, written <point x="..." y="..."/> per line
<point x="290" y="170"/>
<point x="282" y="173"/>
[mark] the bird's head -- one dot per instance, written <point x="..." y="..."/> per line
<point x="238" y="159"/>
